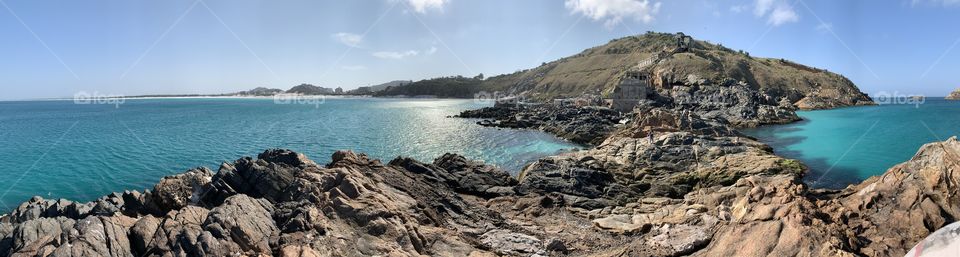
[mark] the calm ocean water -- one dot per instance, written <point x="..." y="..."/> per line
<point x="58" y="149"/>
<point x="848" y="145"/>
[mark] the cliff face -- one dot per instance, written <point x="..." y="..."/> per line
<point x="600" y="69"/>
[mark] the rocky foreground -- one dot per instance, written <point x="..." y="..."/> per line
<point x="668" y="183"/>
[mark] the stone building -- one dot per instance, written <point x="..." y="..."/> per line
<point x="634" y="86"/>
<point x="683" y="42"/>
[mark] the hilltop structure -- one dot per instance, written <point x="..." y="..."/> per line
<point x="635" y="85"/>
<point x="670" y="59"/>
<point x="683" y="42"/>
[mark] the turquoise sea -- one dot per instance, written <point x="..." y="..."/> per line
<point x="847" y="145"/>
<point x="59" y="149"/>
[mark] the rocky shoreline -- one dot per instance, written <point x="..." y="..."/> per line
<point x="672" y="177"/>
<point x="283" y="204"/>
<point x="666" y="180"/>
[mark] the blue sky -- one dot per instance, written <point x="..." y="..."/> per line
<point x="58" y="48"/>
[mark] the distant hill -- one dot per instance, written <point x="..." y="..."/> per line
<point x="308" y="89"/>
<point x="260" y="91"/>
<point x="377" y="88"/>
<point x="599" y="69"/>
<point x="384" y="86"/>
<point x="447" y="87"/>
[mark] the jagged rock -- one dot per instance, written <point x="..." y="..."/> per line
<point x="286" y="156"/>
<point x="40" y="236"/>
<point x="622" y="223"/>
<point x="556" y="245"/>
<point x="659" y="153"/>
<point x="737" y="105"/>
<point x="906" y="203"/>
<point x="299" y="217"/>
<point x="473" y="177"/>
<point x="60" y="236"/>
<point x="564" y="176"/>
<point x="586" y="125"/>
<point x="175" y="234"/>
<point x="142" y="233"/>
<point x="510" y="243"/>
<point x="177" y="191"/>
<point x="35" y="208"/>
<point x="245" y="222"/>
<point x="680" y="239"/>
<point x="256" y="178"/>
<point x="97" y="236"/>
<point x="6" y="240"/>
<point x="647" y="122"/>
<point x="133" y="202"/>
<point x="730" y="197"/>
<point x="464" y="176"/>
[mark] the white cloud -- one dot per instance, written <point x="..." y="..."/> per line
<point x="778" y="12"/>
<point x="422" y="6"/>
<point x="783" y="14"/>
<point x="612" y="12"/>
<point x="395" y="55"/>
<point x="349" y="39"/>
<point x="353" y="67"/>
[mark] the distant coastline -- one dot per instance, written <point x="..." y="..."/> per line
<point x="154" y="97"/>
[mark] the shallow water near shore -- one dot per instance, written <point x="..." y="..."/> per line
<point x="59" y="149"/>
<point x="847" y="145"/>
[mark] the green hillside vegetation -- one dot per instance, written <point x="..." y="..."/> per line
<point x="445" y="87"/>
<point x="598" y="69"/>
<point x="308" y="89"/>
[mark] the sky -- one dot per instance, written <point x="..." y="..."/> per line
<point x="59" y="48"/>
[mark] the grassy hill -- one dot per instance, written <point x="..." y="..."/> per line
<point x="447" y="87"/>
<point x="599" y="69"/>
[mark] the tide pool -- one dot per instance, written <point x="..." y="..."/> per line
<point x="59" y="149"/>
<point x="847" y="145"/>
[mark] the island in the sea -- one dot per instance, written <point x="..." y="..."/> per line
<point x="668" y="175"/>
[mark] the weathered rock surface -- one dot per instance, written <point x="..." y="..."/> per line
<point x="669" y="183"/>
<point x="728" y="103"/>
<point x="600" y="69"/>
<point x="955" y="95"/>
<point x="584" y="125"/>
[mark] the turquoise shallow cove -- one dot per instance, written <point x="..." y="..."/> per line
<point x="58" y="149"/>
<point x="848" y="145"/>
